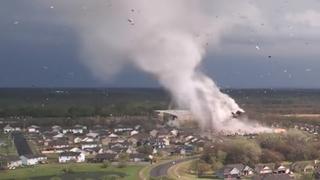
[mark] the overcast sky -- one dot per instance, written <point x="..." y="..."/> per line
<point x="37" y="48"/>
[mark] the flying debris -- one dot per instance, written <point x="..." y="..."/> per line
<point x="237" y="114"/>
<point x="51" y="7"/>
<point x="132" y="10"/>
<point x="131" y="21"/>
<point x="269" y="56"/>
<point x="257" y="47"/>
<point x="16" y="22"/>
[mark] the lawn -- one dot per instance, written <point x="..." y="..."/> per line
<point x="8" y="149"/>
<point x="77" y="171"/>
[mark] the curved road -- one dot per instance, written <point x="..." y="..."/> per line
<point x="162" y="169"/>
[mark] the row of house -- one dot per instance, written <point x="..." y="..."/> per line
<point x="261" y="171"/>
<point x="11" y="162"/>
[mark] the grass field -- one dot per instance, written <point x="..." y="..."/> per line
<point x="8" y="149"/>
<point x="76" y="171"/>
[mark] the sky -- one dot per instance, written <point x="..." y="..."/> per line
<point x="271" y="44"/>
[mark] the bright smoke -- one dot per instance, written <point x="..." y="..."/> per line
<point x="166" y="38"/>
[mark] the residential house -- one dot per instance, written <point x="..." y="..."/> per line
<point x="230" y="171"/>
<point x="92" y="135"/>
<point x="235" y="171"/>
<point x="8" y="129"/>
<point x="58" y="144"/>
<point x="88" y="139"/>
<point x="89" y="145"/>
<point x="58" y="136"/>
<point x="76" y="149"/>
<point x="281" y="170"/>
<point x="134" y="132"/>
<point x="11" y="162"/>
<point x="122" y="129"/>
<point x="33" y="159"/>
<point x="153" y="133"/>
<point x="263" y="169"/>
<point x="56" y="128"/>
<point x="71" y="157"/>
<point x="138" y="157"/>
<point x="186" y="150"/>
<point x="77" y="140"/>
<point x="33" y="129"/>
<point x="106" y="157"/>
<point x="77" y="129"/>
<point x="174" y="132"/>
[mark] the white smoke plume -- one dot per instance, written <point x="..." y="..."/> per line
<point x="167" y="39"/>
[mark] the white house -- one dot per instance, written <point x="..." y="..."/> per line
<point x="33" y="129"/>
<point x="32" y="159"/>
<point x="8" y="129"/>
<point x="89" y="145"/>
<point x="112" y="135"/>
<point x="77" y="140"/>
<point x="59" y="135"/>
<point x="87" y="139"/>
<point x="134" y="132"/>
<point x="56" y="128"/>
<point x="122" y="129"/>
<point x="92" y="135"/>
<point x="77" y="129"/>
<point x="72" y="156"/>
<point x="11" y="162"/>
<point x="75" y="149"/>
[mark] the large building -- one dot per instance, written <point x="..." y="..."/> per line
<point x="173" y="117"/>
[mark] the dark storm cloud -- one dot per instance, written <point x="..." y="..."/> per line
<point x="37" y="49"/>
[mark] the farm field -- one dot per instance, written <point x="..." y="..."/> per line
<point x="71" y="171"/>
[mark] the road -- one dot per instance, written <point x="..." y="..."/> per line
<point x="162" y="169"/>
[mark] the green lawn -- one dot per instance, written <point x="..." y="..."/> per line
<point x="9" y="149"/>
<point x="79" y="171"/>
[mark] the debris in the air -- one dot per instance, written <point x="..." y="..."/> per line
<point x="269" y="56"/>
<point x="131" y="21"/>
<point x="132" y="10"/>
<point x="51" y="7"/>
<point x="257" y="47"/>
<point x="16" y="22"/>
<point x="285" y="71"/>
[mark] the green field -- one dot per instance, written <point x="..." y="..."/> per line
<point x="76" y="171"/>
<point x="8" y="149"/>
<point x="70" y="106"/>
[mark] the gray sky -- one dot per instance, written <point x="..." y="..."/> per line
<point x="282" y="50"/>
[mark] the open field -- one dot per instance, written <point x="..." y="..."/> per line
<point x="7" y="148"/>
<point x="83" y="106"/>
<point x="76" y="171"/>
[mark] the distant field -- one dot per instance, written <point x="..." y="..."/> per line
<point x="66" y="105"/>
<point x="79" y="171"/>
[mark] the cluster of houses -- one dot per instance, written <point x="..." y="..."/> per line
<point x="98" y="144"/>
<point x="269" y="171"/>
<point x="235" y="171"/>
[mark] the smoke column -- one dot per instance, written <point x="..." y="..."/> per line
<point x="165" y="38"/>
